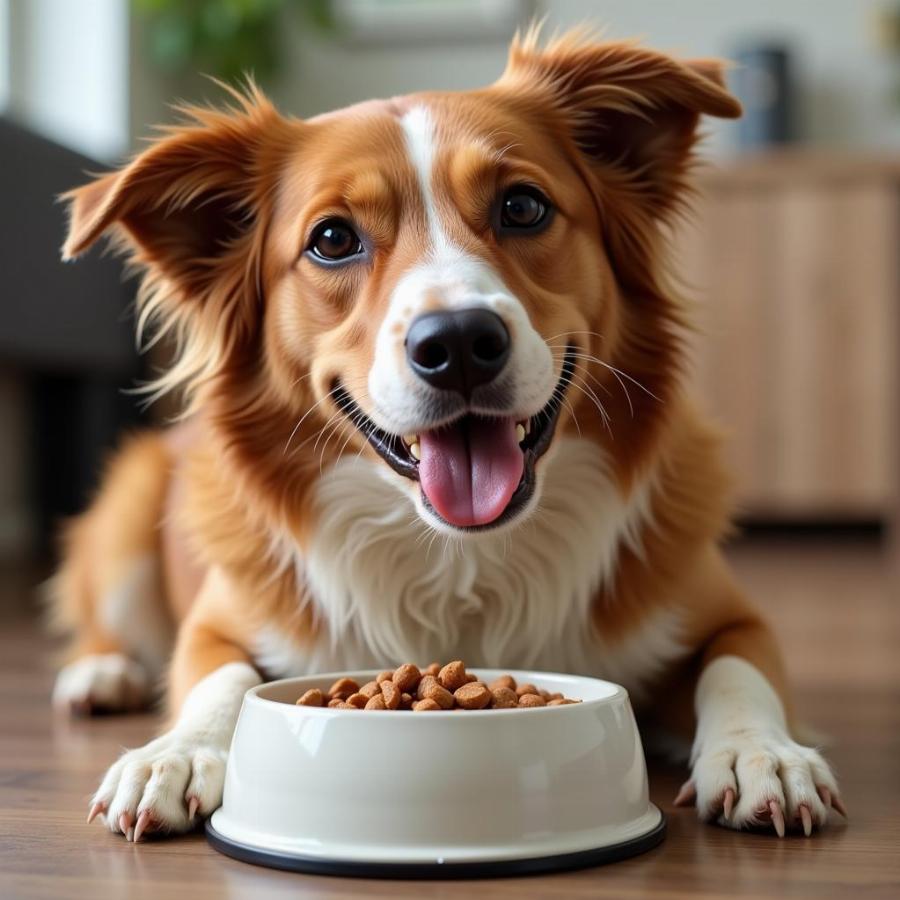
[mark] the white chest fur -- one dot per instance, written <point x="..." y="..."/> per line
<point x="387" y="589"/>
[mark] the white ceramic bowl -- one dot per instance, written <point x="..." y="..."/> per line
<point x="440" y="793"/>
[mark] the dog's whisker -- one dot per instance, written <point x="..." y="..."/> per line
<point x="334" y="417"/>
<point x="587" y="392"/>
<point x="358" y="382"/>
<point x="339" y="428"/>
<point x="559" y="394"/>
<point x="612" y="368"/>
<point x="585" y="370"/>
<point x="618" y="374"/>
<point x="351" y="432"/>
<point x="300" y="423"/>
<point x="571" y="333"/>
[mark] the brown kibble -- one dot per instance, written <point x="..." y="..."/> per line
<point x="447" y="687"/>
<point x="437" y="692"/>
<point x="370" y="689"/>
<point x="391" y="694"/>
<point x="343" y="688"/>
<point x="453" y="675"/>
<point x="312" y="697"/>
<point x="532" y="700"/>
<point x="503" y="681"/>
<point x="407" y="677"/>
<point x="472" y="696"/>
<point x="424" y="684"/>
<point x="504" y="698"/>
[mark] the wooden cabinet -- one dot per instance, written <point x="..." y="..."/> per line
<point x="794" y="264"/>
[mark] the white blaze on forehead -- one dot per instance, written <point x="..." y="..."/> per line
<point x="454" y="278"/>
<point x="418" y="128"/>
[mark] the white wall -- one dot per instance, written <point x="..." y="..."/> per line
<point x="69" y="70"/>
<point x="72" y="64"/>
<point x="845" y="81"/>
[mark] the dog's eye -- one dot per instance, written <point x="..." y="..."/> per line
<point x="334" y="240"/>
<point x="523" y="209"/>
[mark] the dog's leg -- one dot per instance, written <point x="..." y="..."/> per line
<point x="163" y="786"/>
<point x="747" y="770"/>
<point x="108" y="596"/>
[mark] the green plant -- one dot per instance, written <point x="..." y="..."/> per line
<point x="225" y="38"/>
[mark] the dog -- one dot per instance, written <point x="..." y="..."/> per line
<point x="431" y="366"/>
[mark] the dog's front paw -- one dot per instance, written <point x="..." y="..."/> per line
<point x="163" y="786"/>
<point x="108" y="682"/>
<point x="749" y="779"/>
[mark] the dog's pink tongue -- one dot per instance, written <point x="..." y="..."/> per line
<point x="470" y="470"/>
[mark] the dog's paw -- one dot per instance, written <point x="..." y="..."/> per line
<point x="108" y="682"/>
<point x="749" y="779"/>
<point x="162" y="787"/>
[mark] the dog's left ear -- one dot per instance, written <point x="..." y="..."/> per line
<point x="634" y="110"/>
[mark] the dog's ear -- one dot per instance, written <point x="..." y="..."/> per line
<point x="184" y="208"/>
<point x="632" y="109"/>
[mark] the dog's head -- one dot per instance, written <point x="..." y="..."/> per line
<point x="447" y="279"/>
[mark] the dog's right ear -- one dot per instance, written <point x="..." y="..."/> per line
<point x="185" y="207"/>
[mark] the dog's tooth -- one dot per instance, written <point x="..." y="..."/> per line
<point x="410" y="439"/>
<point x="528" y="426"/>
<point x="414" y="451"/>
<point x="520" y="433"/>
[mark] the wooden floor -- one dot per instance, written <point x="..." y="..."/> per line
<point x="839" y="620"/>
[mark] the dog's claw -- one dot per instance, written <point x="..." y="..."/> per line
<point x="125" y="823"/>
<point x="96" y="808"/>
<point x="830" y="801"/>
<point x="728" y="803"/>
<point x="777" y="817"/>
<point x="143" y="820"/>
<point x="193" y="804"/>
<point x="838" y="804"/>
<point x="686" y="794"/>
<point x="806" y="819"/>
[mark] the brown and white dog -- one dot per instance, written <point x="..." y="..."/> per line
<point x="431" y="366"/>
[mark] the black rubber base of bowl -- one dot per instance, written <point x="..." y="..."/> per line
<point x="312" y="865"/>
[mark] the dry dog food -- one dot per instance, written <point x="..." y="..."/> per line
<point x="433" y="688"/>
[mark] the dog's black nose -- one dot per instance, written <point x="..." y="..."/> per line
<point x="459" y="349"/>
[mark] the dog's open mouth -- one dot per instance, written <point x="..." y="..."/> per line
<point x="477" y="471"/>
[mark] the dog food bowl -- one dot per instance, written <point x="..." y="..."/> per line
<point x="436" y="794"/>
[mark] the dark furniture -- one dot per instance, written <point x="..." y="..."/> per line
<point x="66" y="329"/>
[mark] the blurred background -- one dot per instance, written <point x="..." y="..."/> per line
<point x="793" y="258"/>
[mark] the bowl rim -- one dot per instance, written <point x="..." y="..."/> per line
<point x="615" y="695"/>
